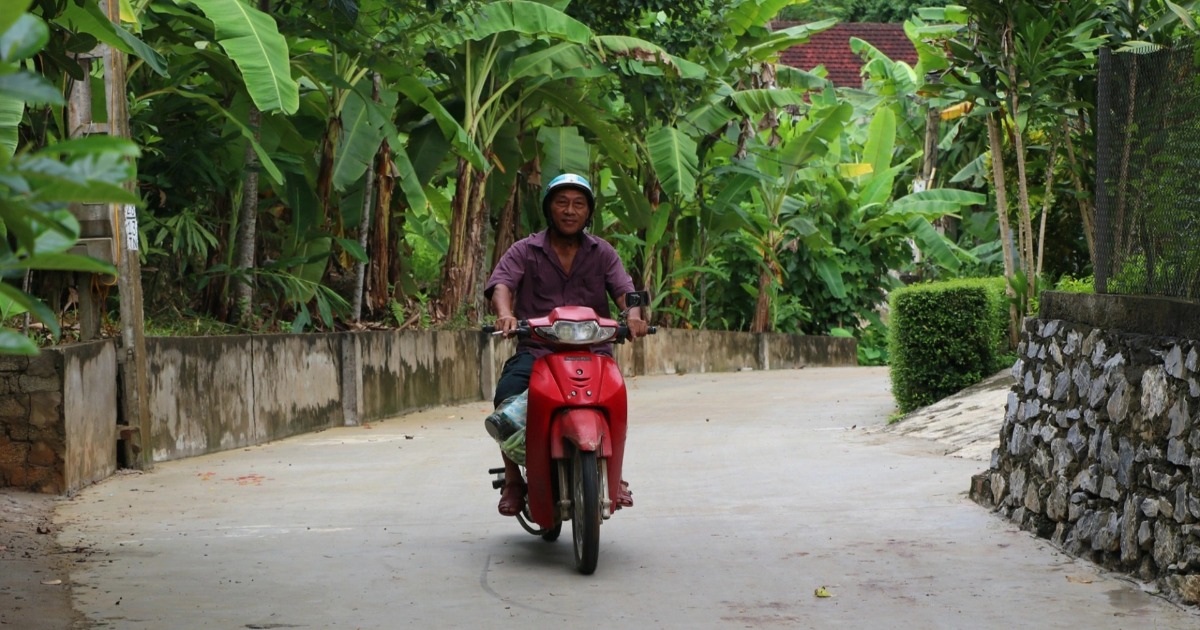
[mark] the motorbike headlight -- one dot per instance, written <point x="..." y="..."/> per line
<point x="577" y="333"/>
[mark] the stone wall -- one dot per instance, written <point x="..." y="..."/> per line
<point x="58" y="418"/>
<point x="1100" y="446"/>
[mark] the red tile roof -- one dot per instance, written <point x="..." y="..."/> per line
<point x="831" y="48"/>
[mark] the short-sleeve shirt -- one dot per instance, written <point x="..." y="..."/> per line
<point x="531" y="270"/>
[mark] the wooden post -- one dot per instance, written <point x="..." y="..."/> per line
<point x="80" y="124"/>
<point x="132" y="356"/>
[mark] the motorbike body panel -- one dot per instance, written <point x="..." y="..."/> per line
<point x="575" y="397"/>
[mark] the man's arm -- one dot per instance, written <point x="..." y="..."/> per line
<point x="502" y="305"/>
<point x="637" y="325"/>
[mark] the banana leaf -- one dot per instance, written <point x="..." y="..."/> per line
<point x="91" y="19"/>
<point x="563" y="151"/>
<point x="252" y="39"/>
<point x="523" y="17"/>
<point x="673" y="156"/>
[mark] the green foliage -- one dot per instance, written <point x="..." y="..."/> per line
<point x="945" y="336"/>
<point x="856" y="10"/>
<point x="37" y="187"/>
<point x="1069" y="284"/>
<point x="872" y="340"/>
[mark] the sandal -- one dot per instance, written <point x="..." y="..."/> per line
<point x="512" y="498"/>
<point x="624" y="496"/>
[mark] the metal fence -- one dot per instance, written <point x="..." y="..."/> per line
<point x="1148" y="174"/>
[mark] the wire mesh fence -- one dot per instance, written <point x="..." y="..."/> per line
<point x="1148" y="174"/>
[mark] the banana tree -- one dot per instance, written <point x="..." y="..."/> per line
<point x="502" y="53"/>
<point x="778" y="218"/>
<point x="662" y="196"/>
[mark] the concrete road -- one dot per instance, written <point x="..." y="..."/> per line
<point x="752" y="491"/>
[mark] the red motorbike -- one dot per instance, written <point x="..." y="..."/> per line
<point x="575" y="427"/>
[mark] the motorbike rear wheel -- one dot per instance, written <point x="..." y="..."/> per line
<point x="585" y="510"/>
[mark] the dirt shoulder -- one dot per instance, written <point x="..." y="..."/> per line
<point x="35" y="590"/>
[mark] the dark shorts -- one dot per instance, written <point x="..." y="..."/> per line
<point x="514" y="377"/>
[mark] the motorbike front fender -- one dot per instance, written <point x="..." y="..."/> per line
<point x="585" y="428"/>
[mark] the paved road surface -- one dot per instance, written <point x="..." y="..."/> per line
<point x="753" y="489"/>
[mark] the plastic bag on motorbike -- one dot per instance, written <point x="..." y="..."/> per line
<point x="506" y="425"/>
<point x="514" y="447"/>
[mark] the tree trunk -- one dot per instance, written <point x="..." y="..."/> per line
<point x="364" y="224"/>
<point x="762" y="306"/>
<point x="1117" y="227"/>
<point x="1087" y="210"/>
<point x="243" y="265"/>
<point x="461" y="268"/>
<point x="1047" y="199"/>
<point x="325" y="172"/>
<point x="506" y="230"/>
<point x="382" y="248"/>
<point x="364" y="230"/>
<point x="999" y="183"/>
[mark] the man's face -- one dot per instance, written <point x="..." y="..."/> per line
<point x="569" y="211"/>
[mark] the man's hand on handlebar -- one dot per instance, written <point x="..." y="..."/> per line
<point x="637" y="327"/>
<point x="506" y="325"/>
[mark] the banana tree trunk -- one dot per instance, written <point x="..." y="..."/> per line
<point x="243" y="286"/>
<point x="460" y="270"/>
<point x="364" y="226"/>
<point x="762" y="306"/>
<point x="506" y="230"/>
<point x="382" y="249"/>
<point x="364" y="230"/>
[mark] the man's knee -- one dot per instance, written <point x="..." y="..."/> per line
<point x="514" y="377"/>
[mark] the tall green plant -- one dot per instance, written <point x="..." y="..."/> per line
<point x="1017" y="61"/>
<point x="38" y="185"/>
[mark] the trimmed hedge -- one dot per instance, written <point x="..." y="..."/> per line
<point x="945" y="336"/>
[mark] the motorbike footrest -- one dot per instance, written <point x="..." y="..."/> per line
<point x="495" y="471"/>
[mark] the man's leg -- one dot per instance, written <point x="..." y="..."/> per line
<point x="514" y="379"/>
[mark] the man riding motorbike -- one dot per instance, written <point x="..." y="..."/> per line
<point x="564" y="265"/>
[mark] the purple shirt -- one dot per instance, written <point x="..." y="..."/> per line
<point x="532" y="271"/>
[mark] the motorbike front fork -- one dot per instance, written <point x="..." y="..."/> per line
<point x="565" y="495"/>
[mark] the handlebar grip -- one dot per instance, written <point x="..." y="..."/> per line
<point x="489" y="329"/>
<point x="652" y="330"/>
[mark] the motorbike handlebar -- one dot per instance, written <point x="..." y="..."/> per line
<point x="523" y="331"/>
<point x="623" y="333"/>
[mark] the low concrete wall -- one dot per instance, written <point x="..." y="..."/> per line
<point x="200" y="395"/>
<point x="89" y="412"/>
<point x="1100" y="446"/>
<point x="410" y="370"/>
<point x="58" y="421"/>
<point x="58" y="418"/>
<point x="682" y="351"/>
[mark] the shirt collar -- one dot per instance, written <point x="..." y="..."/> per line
<point x="541" y="240"/>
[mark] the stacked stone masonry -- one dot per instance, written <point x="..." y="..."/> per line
<point x="32" y="437"/>
<point x="1100" y="450"/>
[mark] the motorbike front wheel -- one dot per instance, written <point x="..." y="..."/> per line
<point x="585" y="510"/>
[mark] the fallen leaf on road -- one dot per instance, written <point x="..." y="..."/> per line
<point x="822" y="592"/>
<point x="1079" y="579"/>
